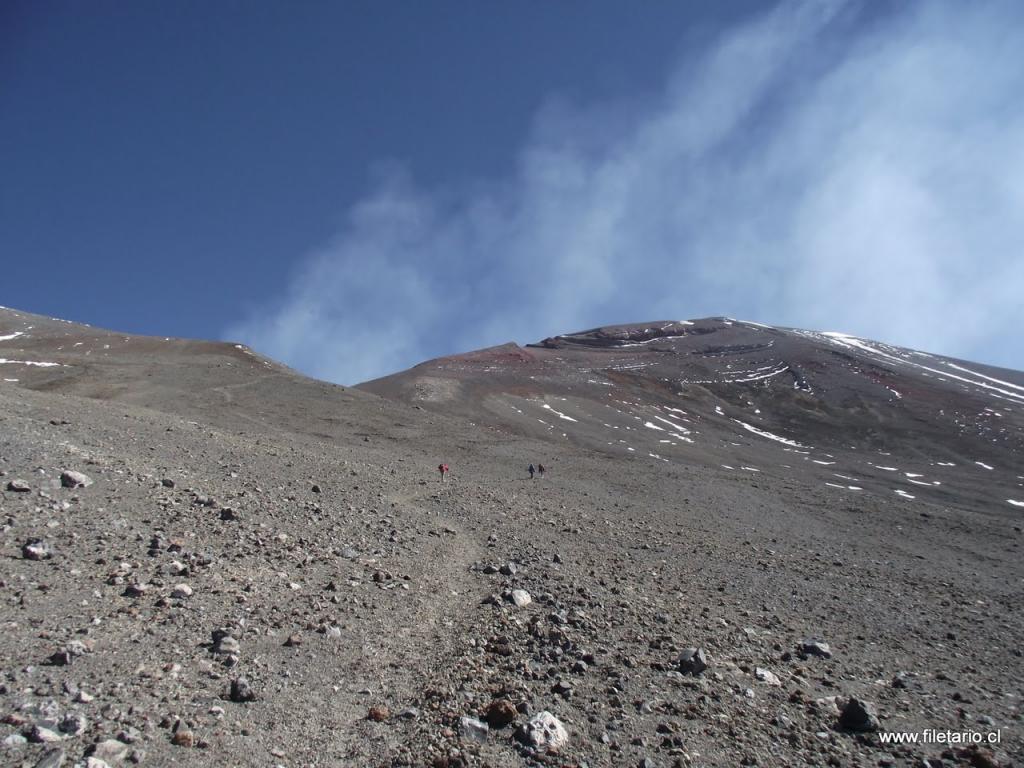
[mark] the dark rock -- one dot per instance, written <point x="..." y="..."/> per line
<point x="36" y="549"/>
<point x="692" y="661"/>
<point x="858" y="715"/>
<point x="500" y="713"/>
<point x="814" y="648"/>
<point x="241" y="691"/>
<point x="71" y="479"/>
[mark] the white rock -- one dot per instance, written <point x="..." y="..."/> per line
<point x="766" y="676"/>
<point x="181" y="591"/>
<point x="41" y="735"/>
<point x="521" y="598"/>
<point x="472" y="729"/>
<point x="544" y="731"/>
<point x="110" y="751"/>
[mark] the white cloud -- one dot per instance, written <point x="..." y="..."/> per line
<point x="811" y="168"/>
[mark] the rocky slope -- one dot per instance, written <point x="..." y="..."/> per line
<point x="261" y="569"/>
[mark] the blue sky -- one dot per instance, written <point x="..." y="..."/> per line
<point x="355" y="187"/>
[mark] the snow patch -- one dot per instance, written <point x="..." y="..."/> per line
<point x="4" y="361"/>
<point x="559" y="414"/>
<point x="769" y="435"/>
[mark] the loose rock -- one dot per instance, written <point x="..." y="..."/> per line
<point x="500" y="713"/>
<point x="814" y="648"/>
<point x="544" y="731"/>
<point x="36" y="549"/>
<point x="858" y="715"/>
<point x="241" y="691"/>
<point x="692" y="661"/>
<point x="71" y="479"/>
<point x="472" y="729"/>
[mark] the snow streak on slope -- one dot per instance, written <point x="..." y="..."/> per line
<point x="852" y="342"/>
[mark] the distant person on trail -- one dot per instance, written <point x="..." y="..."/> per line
<point x="443" y="469"/>
<point x="540" y="470"/>
<point x="531" y="470"/>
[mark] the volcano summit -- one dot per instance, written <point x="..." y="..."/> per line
<point x="753" y="546"/>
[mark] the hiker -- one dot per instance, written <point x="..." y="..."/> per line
<point x="531" y="470"/>
<point x="443" y="469"/>
<point x="540" y="470"/>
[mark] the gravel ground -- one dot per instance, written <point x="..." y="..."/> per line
<point x="266" y="570"/>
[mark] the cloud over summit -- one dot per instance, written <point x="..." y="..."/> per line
<point x="814" y="167"/>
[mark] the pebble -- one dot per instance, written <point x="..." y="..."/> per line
<point x="18" y="486"/>
<point x="181" y="591"/>
<point x="766" y="676"/>
<point x="521" y="598"/>
<point x="378" y="714"/>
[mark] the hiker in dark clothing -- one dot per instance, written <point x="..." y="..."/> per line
<point x="531" y="470"/>
<point x="540" y="470"/>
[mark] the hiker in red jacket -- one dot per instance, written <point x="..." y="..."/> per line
<point x="443" y="469"/>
